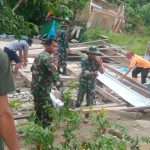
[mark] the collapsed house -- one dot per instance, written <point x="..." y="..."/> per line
<point x="125" y="95"/>
<point x="100" y="14"/>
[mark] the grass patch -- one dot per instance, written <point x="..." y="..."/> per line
<point x="134" y="42"/>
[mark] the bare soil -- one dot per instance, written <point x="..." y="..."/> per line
<point x="134" y="127"/>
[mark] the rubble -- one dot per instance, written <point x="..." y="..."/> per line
<point x="22" y="93"/>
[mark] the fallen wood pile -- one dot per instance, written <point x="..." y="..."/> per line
<point x="114" y="58"/>
<point x="120" y="61"/>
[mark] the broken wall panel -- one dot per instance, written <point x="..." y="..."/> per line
<point x="101" y="14"/>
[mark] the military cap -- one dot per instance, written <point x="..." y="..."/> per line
<point x="92" y="50"/>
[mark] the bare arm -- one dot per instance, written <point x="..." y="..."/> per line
<point x="17" y="66"/>
<point x="100" y="62"/>
<point x="7" y="126"/>
<point x="25" y="57"/>
<point x="20" y="55"/>
<point x="101" y="68"/>
<point x="126" y="73"/>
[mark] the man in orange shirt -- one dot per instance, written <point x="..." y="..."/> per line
<point x="139" y="65"/>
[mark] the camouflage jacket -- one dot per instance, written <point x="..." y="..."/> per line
<point x="87" y="66"/>
<point x="44" y="72"/>
<point x="62" y="39"/>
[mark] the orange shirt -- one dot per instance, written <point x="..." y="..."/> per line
<point x="139" y="61"/>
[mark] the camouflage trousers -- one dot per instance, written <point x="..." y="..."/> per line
<point x="43" y="106"/>
<point x="86" y="87"/>
<point x="62" y="67"/>
<point x="62" y="62"/>
<point x="1" y="144"/>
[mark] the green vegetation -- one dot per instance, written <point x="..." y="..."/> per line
<point x="11" y="23"/>
<point x="137" y="14"/>
<point x="134" y="42"/>
<point x="15" y="103"/>
<point x="67" y="122"/>
<point x="35" y="11"/>
<point x="136" y="30"/>
<point x="27" y="18"/>
<point x="101" y="138"/>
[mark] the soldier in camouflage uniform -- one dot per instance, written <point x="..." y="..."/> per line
<point x="44" y="74"/>
<point x="62" y="51"/>
<point x="90" y="66"/>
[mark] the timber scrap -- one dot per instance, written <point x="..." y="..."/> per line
<point x="136" y="90"/>
<point x="111" y="55"/>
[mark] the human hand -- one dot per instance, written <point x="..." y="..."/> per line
<point x="93" y="73"/>
<point x="99" y="60"/>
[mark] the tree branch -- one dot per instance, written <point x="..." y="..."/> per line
<point x="18" y="4"/>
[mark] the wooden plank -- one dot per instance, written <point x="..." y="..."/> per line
<point x="114" y="57"/>
<point x="136" y="108"/>
<point x="110" y="110"/>
<point x="101" y="106"/>
<point x="108" y="95"/>
<point x="106" y="12"/>
<point x="97" y="109"/>
<point x="122" y="51"/>
<point x="83" y="55"/>
<point x="22" y="116"/>
<point x="25" y="77"/>
<point x="90" y="20"/>
<point x="114" y="53"/>
<point x="120" y="13"/>
<point x="85" y="43"/>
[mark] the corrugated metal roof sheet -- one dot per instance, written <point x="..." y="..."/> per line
<point x="122" y="90"/>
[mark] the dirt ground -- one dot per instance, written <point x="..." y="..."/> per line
<point x="136" y="125"/>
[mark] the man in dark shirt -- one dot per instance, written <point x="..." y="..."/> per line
<point x="7" y="126"/>
<point x="18" y="45"/>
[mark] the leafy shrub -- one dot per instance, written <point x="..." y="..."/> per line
<point x="15" y="103"/>
<point x="100" y="140"/>
<point x="146" y="14"/>
<point x="131" y="41"/>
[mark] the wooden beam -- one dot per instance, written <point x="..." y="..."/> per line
<point x="108" y="95"/>
<point x="86" y="43"/>
<point x="99" y="106"/>
<point x="22" y="116"/>
<point x="110" y="111"/>
<point x="136" y="108"/>
<point x="83" y="55"/>
<point x="25" y="77"/>
<point x="97" y="109"/>
<point x="106" y="12"/>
